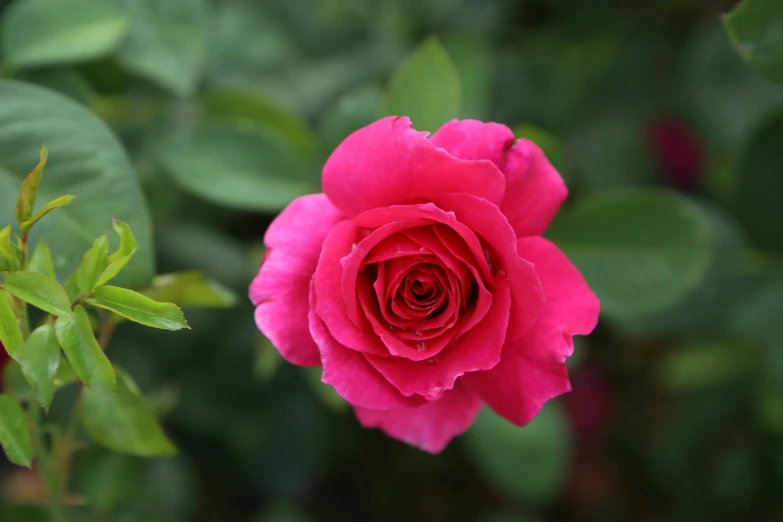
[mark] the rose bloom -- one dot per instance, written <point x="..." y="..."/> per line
<point x="419" y="279"/>
<point x="3" y="359"/>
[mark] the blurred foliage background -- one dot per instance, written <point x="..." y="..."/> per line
<point x="671" y="147"/>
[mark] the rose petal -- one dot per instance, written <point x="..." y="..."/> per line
<point x="354" y="379"/>
<point x="429" y="427"/>
<point x="475" y="140"/>
<point x="478" y="349"/>
<point x="532" y="369"/>
<point x="534" y="191"/>
<point x="485" y="220"/>
<point x="281" y="288"/>
<point x="389" y="163"/>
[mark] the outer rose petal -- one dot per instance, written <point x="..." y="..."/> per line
<point x="532" y="369"/>
<point x="475" y="140"/>
<point x="389" y="163"/>
<point x="351" y="375"/>
<point x="534" y="191"/>
<point x="429" y="427"/>
<point x="281" y="288"/>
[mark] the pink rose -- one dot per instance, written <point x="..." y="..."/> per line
<point x="419" y="279"/>
<point x="3" y="360"/>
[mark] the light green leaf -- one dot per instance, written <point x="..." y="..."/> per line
<point x="72" y="288"/>
<point x="256" y="171"/>
<point x="10" y="255"/>
<point x="640" y="251"/>
<point x="52" y="205"/>
<point x="123" y="422"/>
<point x="92" y="266"/>
<point x="758" y="183"/>
<point x="86" y="160"/>
<point x="41" y="260"/>
<point x="756" y="29"/>
<point x="40" y="361"/>
<point x="43" y="32"/>
<point x="26" y="200"/>
<point x="38" y="290"/>
<point x="85" y="355"/>
<point x="167" y="41"/>
<point x="425" y="88"/>
<point x="14" y="435"/>
<point x="529" y="464"/>
<point x="122" y="256"/>
<point x="190" y="289"/>
<point x="10" y="332"/>
<point x="138" y="308"/>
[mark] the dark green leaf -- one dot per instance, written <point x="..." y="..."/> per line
<point x="529" y="464"/>
<point x="41" y="260"/>
<point x="190" y="289"/>
<point x="40" y="361"/>
<point x="257" y="171"/>
<point x="758" y="185"/>
<point x="14" y="435"/>
<point x="10" y="332"/>
<point x="86" y="160"/>
<point x="106" y="478"/>
<point x="640" y="251"/>
<point x="38" y="290"/>
<point x="167" y="41"/>
<point x="138" y="308"/>
<point x="694" y="366"/>
<point x="52" y="205"/>
<point x="122" y="256"/>
<point x="26" y="201"/>
<point x="756" y="29"/>
<point x="93" y="265"/>
<point x="85" y="355"/>
<point x="42" y="32"/>
<point x="123" y="422"/>
<point x="425" y="88"/>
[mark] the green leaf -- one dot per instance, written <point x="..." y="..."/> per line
<point x="85" y="355"/>
<point x="167" y="42"/>
<point x="72" y="288"/>
<point x="10" y="255"/>
<point x="138" y="308"/>
<point x="14" y="435"/>
<point x="256" y="170"/>
<point x="756" y="30"/>
<point x="107" y="479"/>
<point x="26" y="200"/>
<point x="40" y="361"/>
<point x="758" y="184"/>
<point x="122" y="256"/>
<point x="425" y="88"/>
<point x="695" y="366"/>
<point x="42" y="32"/>
<point x="52" y="205"/>
<point x="190" y="289"/>
<point x="123" y="422"/>
<point x="38" y="290"/>
<point x="640" y="251"/>
<point x="10" y="333"/>
<point x="93" y="265"/>
<point x="261" y="109"/>
<point x="86" y="161"/>
<point x="41" y="260"/>
<point x="529" y="464"/>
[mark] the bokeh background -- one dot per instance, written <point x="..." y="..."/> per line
<point x="671" y="147"/>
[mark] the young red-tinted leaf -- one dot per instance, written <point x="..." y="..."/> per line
<point x="138" y="308"/>
<point x="26" y="201"/>
<point x="85" y="355"/>
<point x="119" y="258"/>
<point x="52" y="205"/>
<point x="41" y="260"/>
<point x="10" y="333"/>
<point x="92" y="266"/>
<point x="14" y="435"/>
<point x="124" y="422"/>
<point x="190" y="289"/>
<point x="38" y="290"/>
<point x="40" y="361"/>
